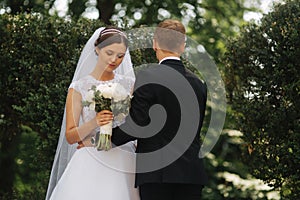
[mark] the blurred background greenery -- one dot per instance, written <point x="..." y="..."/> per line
<point x="257" y="155"/>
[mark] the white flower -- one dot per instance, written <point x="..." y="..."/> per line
<point x="113" y="90"/>
<point x="106" y="90"/>
<point x="119" y="92"/>
<point x="89" y="98"/>
<point x="92" y="106"/>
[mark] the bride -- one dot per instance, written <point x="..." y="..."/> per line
<point x="80" y="171"/>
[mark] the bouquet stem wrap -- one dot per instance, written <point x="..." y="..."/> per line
<point x="104" y="137"/>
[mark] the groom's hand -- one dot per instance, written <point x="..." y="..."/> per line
<point x="80" y="145"/>
<point x="85" y="143"/>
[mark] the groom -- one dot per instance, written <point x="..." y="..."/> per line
<point x="168" y="139"/>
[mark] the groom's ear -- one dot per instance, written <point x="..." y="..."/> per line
<point x="154" y="45"/>
<point x="181" y="48"/>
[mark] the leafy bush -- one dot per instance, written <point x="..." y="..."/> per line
<point x="38" y="57"/>
<point x="263" y="81"/>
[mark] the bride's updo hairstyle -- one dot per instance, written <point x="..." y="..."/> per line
<point x="111" y="35"/>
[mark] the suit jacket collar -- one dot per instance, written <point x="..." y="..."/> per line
<point x="169" y="58"/>
<point x="175" y="64"/>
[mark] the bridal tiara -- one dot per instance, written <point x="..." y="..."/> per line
<point x="112" y="31"/>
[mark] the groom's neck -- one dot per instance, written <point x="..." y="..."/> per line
<point x="163" y="54"/>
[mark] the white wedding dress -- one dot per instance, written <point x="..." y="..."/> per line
<point x="101" y="175"/>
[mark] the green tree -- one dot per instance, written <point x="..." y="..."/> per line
<point x="17" y="6"/>
<point x="263" y="83"/>
<point x="209" y="22"/>
<point x="38" y="57"/>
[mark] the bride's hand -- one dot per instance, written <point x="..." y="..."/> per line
<point x="104" y="117"/>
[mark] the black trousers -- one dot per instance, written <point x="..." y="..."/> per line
<point x="170" y="191"/>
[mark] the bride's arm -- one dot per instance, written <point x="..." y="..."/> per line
<point x="74" y="132"/>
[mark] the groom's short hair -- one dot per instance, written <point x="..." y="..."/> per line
<point x="170" y="35"/>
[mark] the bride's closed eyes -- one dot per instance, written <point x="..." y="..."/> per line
<point x="119" y="55"/>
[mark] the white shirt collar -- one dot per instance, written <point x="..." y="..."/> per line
<point x="168" y="58"/>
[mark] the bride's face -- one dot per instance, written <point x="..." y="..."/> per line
<point x="111" y="56"/>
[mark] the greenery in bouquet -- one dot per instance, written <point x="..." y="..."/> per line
<point x="96" y="101"/>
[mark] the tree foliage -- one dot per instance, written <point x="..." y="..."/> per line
<point x="39" y="54"/>
<point x="17" y="6"/>
<point x="209" y="22"/>
<point x="38" y="57"/>
<point x="264" y="86"/>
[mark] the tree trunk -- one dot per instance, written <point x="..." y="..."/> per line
<point x="15" y="6"/>
<point x="106" y="8"/>
<point x="7" y="164"/>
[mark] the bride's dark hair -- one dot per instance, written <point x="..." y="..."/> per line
<point x="111" y="35"/>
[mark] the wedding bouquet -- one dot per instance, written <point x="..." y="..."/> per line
<point x="111" y="97"/>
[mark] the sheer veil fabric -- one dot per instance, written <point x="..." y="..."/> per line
<point x="85" y="65"/>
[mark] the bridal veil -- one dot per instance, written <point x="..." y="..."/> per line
<point x="85" y="65"/>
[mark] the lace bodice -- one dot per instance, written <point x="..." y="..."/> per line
<point x="84" y="84"/>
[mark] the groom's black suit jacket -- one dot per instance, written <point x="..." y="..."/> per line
<point x="188" y="168"/>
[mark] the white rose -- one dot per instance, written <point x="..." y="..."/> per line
<point x="101" y="87"/>
<point x="89" y="96"/>
<point x="92" y="106"/>
<point x="106" y="90"/>
<point x="119" y="92"/>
